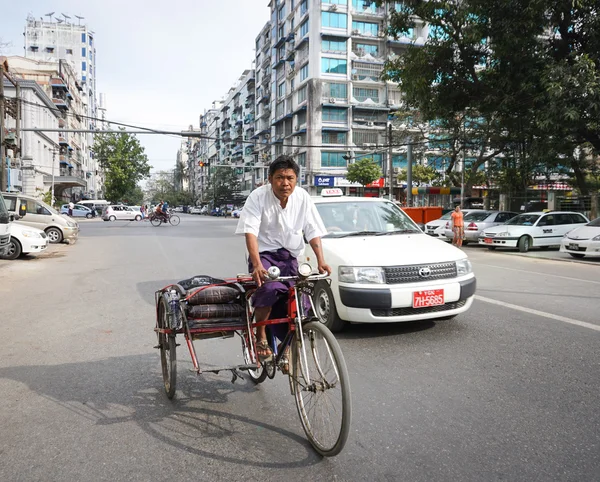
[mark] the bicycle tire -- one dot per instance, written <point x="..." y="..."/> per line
<point x="174" y="220"/>
<point x="260" y="374"/>
<point x="155" y="221"/>
<point x="327" y="372"/>
<point x="168" y="352"/>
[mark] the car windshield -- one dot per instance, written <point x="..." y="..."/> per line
<point x="447" y="216"/>
<point x="524" y="220"/>
<point x="3" y="210"/>
<point x="595" y="222"/>
<point x="364" y="218"/>
<point x="477" y="216"/>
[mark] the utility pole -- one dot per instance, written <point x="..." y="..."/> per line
<point x="52" y="189"/>
<point x="409" y="163"/>
<point x="3" y="184"/>
<point x="18" y="128"/>
<point x="390" y="161"/>
<point x="462" y="171"/>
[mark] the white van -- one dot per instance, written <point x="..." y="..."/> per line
<point x="97" y="205"/>
<point x="42" y="216"/>
<point x="4" y="228"/>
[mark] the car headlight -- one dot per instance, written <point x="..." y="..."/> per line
<point x="30" y="234"/>
<point x="463" y="267"/>
<point x="363" y="274"/>
<point x="504" y="233"/>
<point x="596" y="238"/>
<point x="71" y="224"/>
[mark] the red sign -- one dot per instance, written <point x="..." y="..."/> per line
<point x="379" y="183"/>
<point x="424" y="299"/>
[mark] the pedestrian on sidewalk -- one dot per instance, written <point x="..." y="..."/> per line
<point x="458" y="227"/>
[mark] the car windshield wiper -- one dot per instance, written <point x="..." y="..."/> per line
<point x="399" y="231"/>
<point x="360" y="233"/>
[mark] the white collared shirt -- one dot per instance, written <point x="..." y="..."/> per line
<point x="276" y="227"/>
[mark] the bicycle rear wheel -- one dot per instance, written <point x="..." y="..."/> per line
<point x="155" y="221"/>
<point x="258" y="375"/>
<point x="174" y="220"/>
<point x="168" y="353"/>
<point x="321" y="389"/>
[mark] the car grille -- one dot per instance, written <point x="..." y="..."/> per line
<point x="418" y="311"/>
<point x="410" y="274"/>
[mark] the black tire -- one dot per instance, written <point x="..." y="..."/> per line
<point x="260" y="374"/>
<point x="491" y="248"/>
<point x="168" y="352"/>
<point x="155" y="221"/>
<point x="55" y="235"/>
<point x="138" y="217"/>
<point x="464" y="243"/>
<point x="112" y="218"/>
<point x="174" y="220"/>
<point x="328" y="385"/>
<point x="88" y="215"/>
<point x="524" y="244"/>
<point x="325" y="307"/>
<point x="14" y="249"/>
<point x="577" y="255"/>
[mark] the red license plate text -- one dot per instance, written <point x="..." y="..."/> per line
<point x="488" y="240"/>
<point x="423" y="299"/>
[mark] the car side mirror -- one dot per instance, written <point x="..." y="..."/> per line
<point x="22" y="210"/>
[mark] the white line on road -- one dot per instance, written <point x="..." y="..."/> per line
<point x="537" y="272"/>
<point x="564" y="319"/>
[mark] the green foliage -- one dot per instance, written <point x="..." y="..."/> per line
<point x="420" y="174"/>
<point x="223" y="186"/>
<point x="364" y="171"/>
<point x="124" y="161"/>
<point x="162" y="187"/>
<point x="47" y="197"/>
<point x="135" y="197"/>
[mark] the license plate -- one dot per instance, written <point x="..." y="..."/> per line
<point x="488" y="240"/>
<point x="423" y="299"/>
<point x="574" y="246"/>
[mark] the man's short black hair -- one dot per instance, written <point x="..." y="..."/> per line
<point x="284" y="162"/>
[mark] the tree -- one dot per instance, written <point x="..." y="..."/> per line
<point x="364" y="171"/>
<point x="124" y="161"/>
<point x="161" y="186"/>
<point x="420" y="174"/>
<point x="224" y="186"/>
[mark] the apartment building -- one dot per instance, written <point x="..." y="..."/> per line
<point x="319" y="64"/>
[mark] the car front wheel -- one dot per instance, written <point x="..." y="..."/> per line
<point x="14" y="249"/>
<point x="55" y="235"/>
<point x="325" y="307"/>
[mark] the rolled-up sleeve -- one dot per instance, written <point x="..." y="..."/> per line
<point x="313" y="227"/>
<point x="250" y="216"/>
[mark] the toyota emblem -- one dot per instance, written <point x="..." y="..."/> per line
<point x="425" y="272"/>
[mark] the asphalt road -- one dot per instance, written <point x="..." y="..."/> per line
<point x="507" y="391"/>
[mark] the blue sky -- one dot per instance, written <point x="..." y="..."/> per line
<point x="159" y="63"/>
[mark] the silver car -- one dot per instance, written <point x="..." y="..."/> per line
<point x="436" y="228"/>
<point x="120" y="212"/>
<point x="476" y="221"/>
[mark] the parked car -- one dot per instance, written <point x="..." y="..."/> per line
<point x="583" y="241"/>
<point x="40" y="215"/>
<point x="178" y="209"/>
<point x="120" y="212"/>
<point x="196" y="210"/>
<point x="384" y="268"/>
<point x="477" y="221"/>
<point x="217" y="212"/>
<point x="236" y="212"/>
<point x="532" y="230"/>
<point x="96" y="204"/>
<point x="79" y="211"/>
<point x="25" y="240"/>
<point x="204" y="210"/>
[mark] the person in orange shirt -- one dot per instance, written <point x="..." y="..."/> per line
<point x="458" y="227"/>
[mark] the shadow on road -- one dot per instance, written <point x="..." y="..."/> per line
<point x="374" y="330"/>
<point x="129" y="389"/>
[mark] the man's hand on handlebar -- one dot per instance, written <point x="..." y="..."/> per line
<point x="259" y="274"/>
<point x="324" y="268"/>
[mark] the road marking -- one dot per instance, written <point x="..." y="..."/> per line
<point x="564" y="319"/>
<point x="542" y="274"/>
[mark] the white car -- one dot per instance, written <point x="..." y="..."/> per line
<point x="437" y="227"/>
<point x="384" y="268"/>
<point x="583" y="241"/>
<point x="25" y="240"/>
<point x="120" y="212"/>
<point x="532" y="230"/>
<point x="196" y="210"/>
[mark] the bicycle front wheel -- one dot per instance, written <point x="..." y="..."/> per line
<point x="174" y="220"/>
<point x="321" y="388"/>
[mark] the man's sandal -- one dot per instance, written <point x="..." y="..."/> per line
<point x="285" y="361"/>
<point x="267" y="354"/>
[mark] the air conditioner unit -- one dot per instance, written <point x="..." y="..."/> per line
<point x="296" y="127"/>
<point x="368" y="144"/>
<point x="355" y="32"/>
<point x="267" y="136"/>
<point x="371" y="123"/>
<point x="332" y="100"/>
<point x="333" y="8"/>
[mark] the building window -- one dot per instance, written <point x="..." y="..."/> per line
<point x="303" y="28"/>
<point x="292" y="85"/>
<point x="365" y="137"/>
<point x="362" y="95"/>
<point x="83" y="38"/>
<point x="302" y="95"/>
<point x="303" y="7"/>
<point x="363" y="49"/>
<point x="69" y="51"/>
<point x="336" y="90"/>
<point x="333" y="46"/>
<point x="281" y="31"/>
<point x="364" y="5"/>
<point x="334" y="20"/>
<point x="34" y="48"/>
<point x="83" y="52"/>
<point x="335" y="114"/>
<point x="281" y="13"/>
<point x="336" y="2"/>
<point x="366" y="28"/>
<point x="91" y="39"/>
<point x="292" y="24"/>
<point x="333" y="159"/>
<point x="281" y="90"/>
<point x="334" y="137"/>
<point x="304" y="73"/>
<point x="301" y="117"/>
<point x="50" y="50"/>
<point x="302" y="159"/>
<point x="83" y="66"/>
<point x="334" y="66"/>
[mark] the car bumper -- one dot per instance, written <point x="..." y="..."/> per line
<point x="499" y="242"/>
<point x="395" y="304"/>
<point x="34" y="245"/>
<point x="70" y="233"/>
<point x="588" y="248"/>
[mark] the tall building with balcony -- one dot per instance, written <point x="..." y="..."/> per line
<point x="319" y="66"/>
<point x="53" y="40"/>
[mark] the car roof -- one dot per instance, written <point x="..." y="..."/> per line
<point x="341" y="199"/>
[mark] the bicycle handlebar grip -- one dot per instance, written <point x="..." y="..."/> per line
<point x="273" y="272"/>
